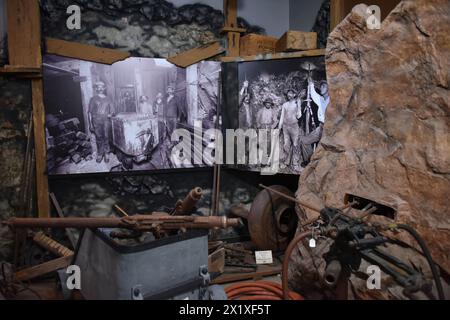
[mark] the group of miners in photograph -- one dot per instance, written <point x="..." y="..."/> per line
<point x="167" y="108"/>
<point x="294" y="105"/>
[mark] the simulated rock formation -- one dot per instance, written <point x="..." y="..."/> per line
<point x="387" y="132"/>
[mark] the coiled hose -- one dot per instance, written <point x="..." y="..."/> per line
<point x="259" y="290"/>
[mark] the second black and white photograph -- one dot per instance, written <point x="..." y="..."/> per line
<point x="120" y="117"/>
<point x="290" y="95"/>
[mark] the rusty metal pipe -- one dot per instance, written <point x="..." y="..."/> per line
<point x="332" y="273"/>
<point x="190" y="201"/>
<point x="135" y="222"/>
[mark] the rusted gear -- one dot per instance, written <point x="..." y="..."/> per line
<point x="272" y="220"/>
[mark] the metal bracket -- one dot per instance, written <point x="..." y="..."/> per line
<point x="136" y="292"/>
<point x="204" y="274"/>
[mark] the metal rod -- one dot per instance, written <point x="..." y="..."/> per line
<point x="121" y="210"/>
<point x="136" y="222"/>
<point x="302" y="203"/>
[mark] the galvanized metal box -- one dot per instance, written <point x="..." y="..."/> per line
<point x="159" y="269"/>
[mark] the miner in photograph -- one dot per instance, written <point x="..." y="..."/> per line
<point x="322" y="101"/>
<point x="145" y="106"/>
<point x="99" y="113"/>
<point x="173" y="110"/>
<point x="267" y="116"/>
<point x="290" y="113"/>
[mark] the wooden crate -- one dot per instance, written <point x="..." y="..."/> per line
<point x="297" y="41"/>
<point x="253" y="44"/>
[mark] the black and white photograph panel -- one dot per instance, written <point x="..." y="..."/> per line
<point x="290" y="95"/>
<point x="120" y="117"/>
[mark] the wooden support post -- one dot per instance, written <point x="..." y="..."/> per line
<point x="43" y="202"/>
<point x="24" y="33"/>
<point x="336" y="13"/>
<point x="231" y="29"/>
<point x="230" y="12"/>
<point x="234" y="39"/>
<point x="24" y="48"/>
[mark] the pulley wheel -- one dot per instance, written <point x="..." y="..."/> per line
<point x="272" y="220"/>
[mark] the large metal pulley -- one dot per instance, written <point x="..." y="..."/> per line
<point x="272" y="220"/>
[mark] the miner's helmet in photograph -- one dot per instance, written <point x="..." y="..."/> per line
<point x="269" y="101"/>
<point x="99" y="84"/>
<point x="143" y="98"/>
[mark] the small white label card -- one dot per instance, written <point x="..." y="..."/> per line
<point x="264" y="257"/>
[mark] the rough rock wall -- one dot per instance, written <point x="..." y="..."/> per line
<point x="15" y="107"/>
<point x="387" y="129"/>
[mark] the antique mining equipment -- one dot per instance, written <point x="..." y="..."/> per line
<point x="142" y="256"/>
<point x="174" y="267"/>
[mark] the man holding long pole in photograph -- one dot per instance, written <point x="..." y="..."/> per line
<point x="290" y="113"/>
<point x="100" y="111"/>
<point x="245" y="112"/>
<point x="322" y="101"/>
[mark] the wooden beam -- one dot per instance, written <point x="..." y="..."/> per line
<point x="195" y="55"/>
<point x="44" y="268"/>
<point x="230" y="29"/>
<point x="24" y="33"/>
<point x="21" y="72"/>
<point x="8" y="69"/>
<point x="83" y="51"/>
<point x="43" y="202"/>
<point x="51" y="245"/>
<point x="275" y="56"/>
